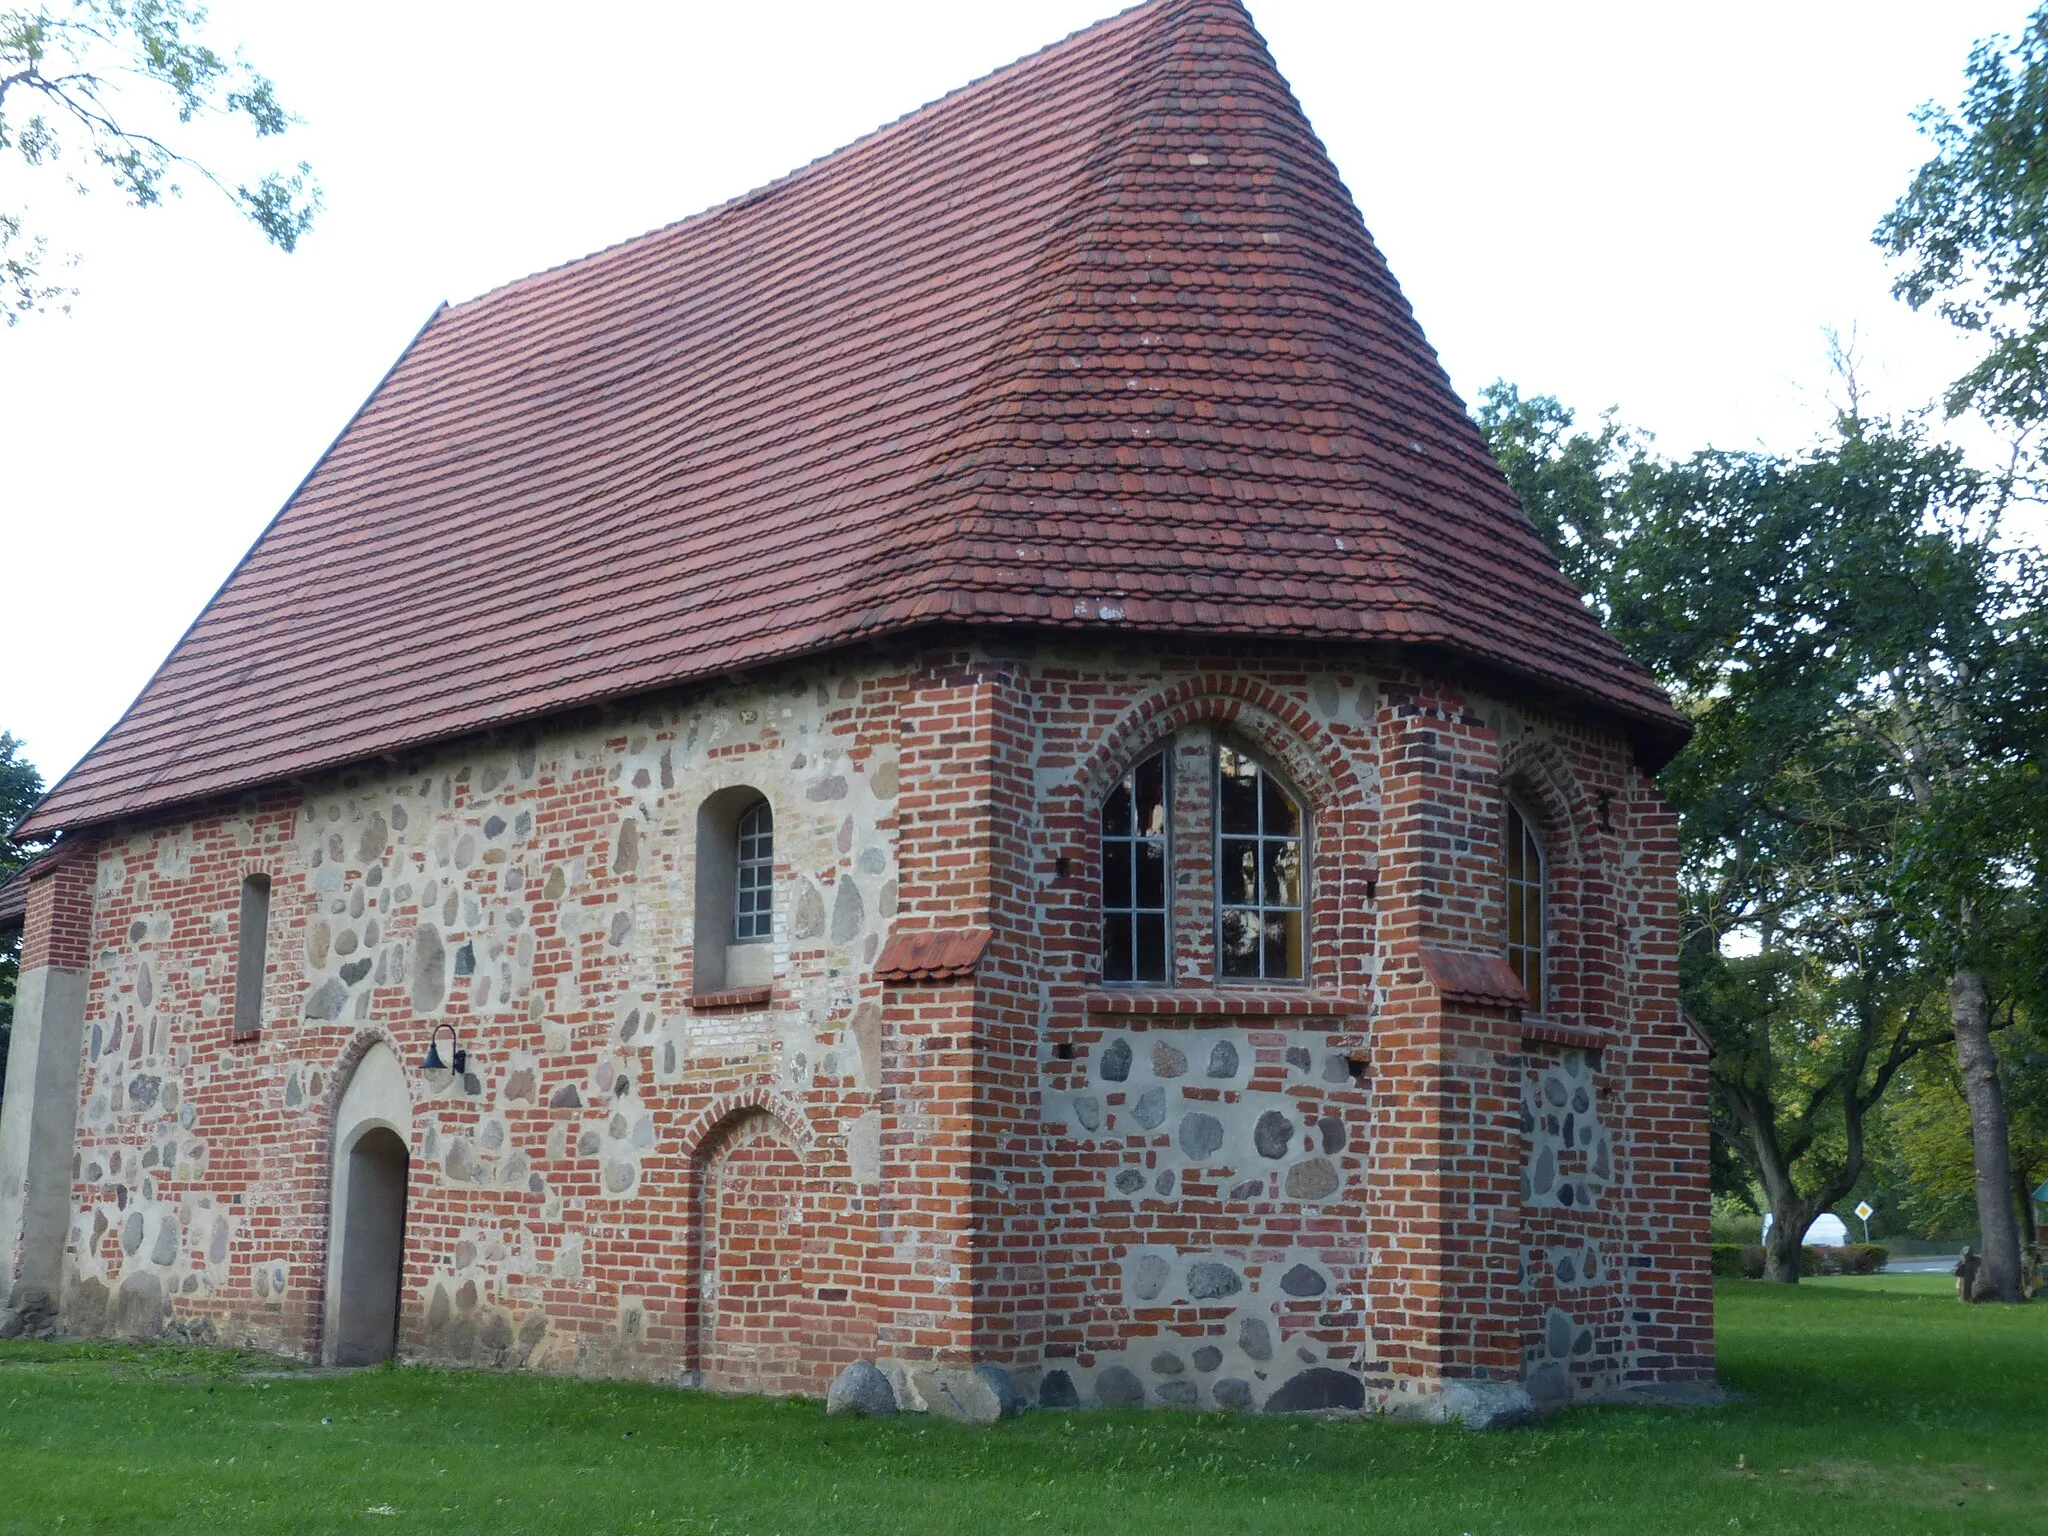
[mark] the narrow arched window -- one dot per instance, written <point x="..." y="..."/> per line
<point x="1261" y="869"/>
<point x="1525" y="906"/>
<point x="753" y="914"/>
<point x="735" y="917"/>
<point x="1136" y="831"/>
<point x="252" y="956"/>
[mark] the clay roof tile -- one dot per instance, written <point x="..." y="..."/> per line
<point x="791" y="422"/>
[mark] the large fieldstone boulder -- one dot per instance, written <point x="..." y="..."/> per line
<point x="1057" y="1391"/>
<point x="1317" y="1388"/>
<point x="861" y="1391"/>
<point x="1483" y="1404"/>
<point x="1009" y="1401"/>
<point x="138" y="1306"/>
<point x="963" y="1396"/>
<point x="1119" y="1387"/>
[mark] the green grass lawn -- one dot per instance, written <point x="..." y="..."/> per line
<point x="1871" y="1404"/>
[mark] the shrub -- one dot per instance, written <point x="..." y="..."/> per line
<point x="1746" y="1260"/>
<point x="1734" y="1227"/>
<point x="1848" y="1259"/>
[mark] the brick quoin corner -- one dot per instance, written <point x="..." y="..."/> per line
<point x="869" y="1097"/>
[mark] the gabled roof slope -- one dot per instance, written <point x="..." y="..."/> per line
<point x="1097" y="342"/>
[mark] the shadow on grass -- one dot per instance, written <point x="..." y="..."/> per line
<point x="1866" y="1411"/>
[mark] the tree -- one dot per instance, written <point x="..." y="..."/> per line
<point x="1861" y="661"/>
<point x="20" y="788"/>
<point x="109" y="85"/>
<point x="1927" y="1151"/>
<point x="1971" y="230"/>
<point x="1805" y="1051"/>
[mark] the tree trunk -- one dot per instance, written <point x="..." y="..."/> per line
<point x="1781" y="1244"/>
<point x="2023" y="1197"/>
<point x="1791" y="1215"/>
<point x="1969" y="1010"/>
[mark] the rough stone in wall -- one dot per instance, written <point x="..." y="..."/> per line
<point x="1254" y="1114"/>
<point x="1570" y="1156"/>
<point x="1202" y="1184"/>
<point x="429" y="895"/>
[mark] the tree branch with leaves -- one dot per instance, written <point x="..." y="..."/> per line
<point x="104" y="87"/>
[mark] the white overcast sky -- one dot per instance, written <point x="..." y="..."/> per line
<point x="1651" y="205"/>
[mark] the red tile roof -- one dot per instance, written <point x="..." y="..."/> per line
<point x="1098" y="342"/>
<point x="931" y="954"/>
<point x="1463" y="977"/>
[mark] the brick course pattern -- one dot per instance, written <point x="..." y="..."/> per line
<point x="1352" y="1190"/>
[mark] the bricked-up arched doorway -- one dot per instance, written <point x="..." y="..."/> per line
<point x="750" y="1324"/>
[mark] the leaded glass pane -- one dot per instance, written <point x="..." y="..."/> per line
<point x="1237" y="792"/>
<point x="1150" y="893"/>
<point x="1116" y="810"/>
<point x="1116" y="946"/>
<point x="1525" y="904"/>
<point x="1151" y="796"/>
<point x="1237" y="872"/>
<point x="1238" y="943"/>
<point x="1282" y="818"/>
<point x="1135" y="842"/>
<point x="753" y="914"/>
<point x="1151" y="958"/>
<point x="1283" y="875"/>
<point x="1116" y="874"/>
<point x="1259" y="862"/>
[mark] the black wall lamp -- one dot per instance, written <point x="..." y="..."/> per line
<point x="434" y="1063"/>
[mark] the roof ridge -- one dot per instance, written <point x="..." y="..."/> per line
<point x="791" y="177"/>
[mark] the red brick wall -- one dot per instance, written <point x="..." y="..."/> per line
<point x="953" y="1206"/>
<point x="57" y="928"/>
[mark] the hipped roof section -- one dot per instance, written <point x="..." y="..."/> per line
<point x="1096" y="343"/>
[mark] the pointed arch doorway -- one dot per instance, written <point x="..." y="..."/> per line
<point x="752" y="1321"/>
<point x="366" y="1216"/>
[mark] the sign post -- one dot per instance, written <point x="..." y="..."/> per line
<point x="1864" y="1213"/>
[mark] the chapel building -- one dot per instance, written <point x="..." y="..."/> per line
<point x="963" y="761"/>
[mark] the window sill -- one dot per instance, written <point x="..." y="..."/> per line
<point x="1572" y="1036"/>
<point x="732" y="997"/>
<point x="1219" y="1002"/>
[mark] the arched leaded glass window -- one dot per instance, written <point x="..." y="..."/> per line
<point x="1136" y="832"/>
<point x="1525" y="906"/>
<point x="1261" y="870"/>
<point x="753" y="892"/>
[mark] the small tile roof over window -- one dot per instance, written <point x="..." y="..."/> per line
<point x="1098" y="343"/>
<point x="931" y="954"/>
<point x="1463" y="977"/>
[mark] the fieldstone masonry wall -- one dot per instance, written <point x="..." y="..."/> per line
<point x="1336" y="1194"/>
